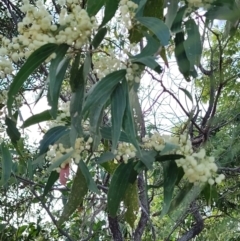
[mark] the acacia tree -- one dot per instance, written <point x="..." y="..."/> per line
<point x="104" y="169"/>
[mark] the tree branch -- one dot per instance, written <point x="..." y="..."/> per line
<point x="145" y="209"/>
<point x="115" y="229"/>
<point x="197" y="228"/>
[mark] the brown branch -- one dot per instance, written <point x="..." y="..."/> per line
<point x="197" y="228"/>
<point x="145" y="209"/>
<point x="115" y="229"/>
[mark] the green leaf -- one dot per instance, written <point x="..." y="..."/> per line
<point x="32" y="63"/>
<point x="170" y="173"/>
<point x="35" y="119"/>
<point x="158" y="27"/>
<point x="172" y="8"/>
<point x="109" y="11"/>
<point x="12" y="130"/>
<point x="128" y="124"/>
<point x="103" y="88"/>
<point x="147" y="157"/>
<point x="169" y="147"/>
<point x="141" y="5"/>
<point x="96" y="116"/>
<point x="105" y="157"/>
<point x="77" y="99"/>
<point x="187" y="93"/>
<point x="75" y="72"/>
<point x="180" y="197"/>
<point x="210" y="194"/>
<point x="148" y="61"/>
<point x="118" y="105"/>
<point x="55" y="67"/>
<point x="99" y="37"/>
<point x="60" y="160"/>
<point x="51" y="137"/>
<point x="50" y="182"/>
<point x="57" y="71"/>
<point x="90" y="182"/>
<point x="40" y="160"/>
<point x="150" y="49"/>
<point x="224" y="13"/>
<point x="94" y="6"/>
<point x="180" y="54"/>
<point x="170" y="157"/>
<point x="177" y="23"/>
<point x="131" y="203"/>
<point x="6" y="164"/>
<point x="78" y="191"/>
<point x="118" y="186"/>
<point x="193" y="44"/>
<point x="106" y="134"/>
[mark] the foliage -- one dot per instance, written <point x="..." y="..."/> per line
<point x="104" y="169"/>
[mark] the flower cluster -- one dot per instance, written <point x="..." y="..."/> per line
<point x="133" y="73"/>
<point x="38" y="28"/>
<point x="56" y="151"/>
<point x="198" y="167"/>
<point x="127" y="10"/>
<point x="105" y="65"/>
<point x="125" y="151"/>
<point x="155" y="142"/>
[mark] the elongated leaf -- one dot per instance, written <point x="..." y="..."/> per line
<point x="118" y="186"/>
<point x="150" y="49"/>
<point x="12" y="130"/>
<point x="150" y="62"/>
<point x="75" y="72"/>
<point x="141" y="5"/>
<point x="77" y="99"/>
<point x="180" y="54"/>
<point x="131" y="203"/>
<point x="193" y="44"/>
<point x="105" y="157"/>
<point x="180" y="197"/>
<point x="106" y="134"/>
<point x="99" y="37"/>
<point x="109" y="11"/>
<point x="224" y="13"/>
<point x="128" y="122"/>
<point x="177" y="23"/>
<point x="50" y="182"/>
<point x="90" y="182"/>
<point x="118" y="105"/>
<point x="103" y="88"/>
<point x="147" y="158"/>
<point x="55" y="85"/>
<point x="35" y="119"/>
<point x="170" y="173"/>
<point x="96" y="116"/>
<point x="187" y="93"/>
<point x="6" y="164"/>
<point x="51" y="137"/>
<point x="78" y="191"/>
<point x="32" y="63"/>
<point x="40" y="160"/>
<point x="59" y="161"/>
<point x="172" y="8"/>
<point x="158" y="27"/>
<point x="94" y="6"/>
<point x="55" y="67"/>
